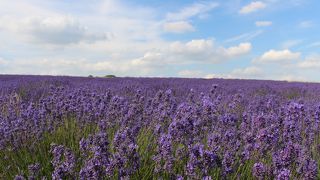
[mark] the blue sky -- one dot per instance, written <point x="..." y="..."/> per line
<point x="266" y="39"/>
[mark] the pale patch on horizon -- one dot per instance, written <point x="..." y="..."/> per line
<point x="190" y="73"/>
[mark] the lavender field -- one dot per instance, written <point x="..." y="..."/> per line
<point x="158" y="128"/>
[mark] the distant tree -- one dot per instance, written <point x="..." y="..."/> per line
<point x="90" y="76"/>
<point x="109" y="76"/>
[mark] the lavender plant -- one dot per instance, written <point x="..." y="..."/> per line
<point x="148" y="128"/>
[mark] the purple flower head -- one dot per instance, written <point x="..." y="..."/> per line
<point x="228" y="162"/>
<point x="307" y="167"/>
<point x="259" y="170"/>
<point x="207" y="178"/>
<point x="34" y="170"/>
<point x="96" y="154"/>
<point x="284" y="174"/>
<point x="125" y="159"/>
<point x="197" y="150"/>
<point x="63" y="162"/>
<point x="285" y="156"/>
<point x="210" y="160"/>
<point x="179" y="177"/>
<point x="19" y="177"/>
<point x="164" y="153"/>
<point x="214" y="141"/>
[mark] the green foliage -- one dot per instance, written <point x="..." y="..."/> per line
<point x="109" y="76"/>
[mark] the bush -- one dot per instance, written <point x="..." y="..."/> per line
<point x="110" y="76"/>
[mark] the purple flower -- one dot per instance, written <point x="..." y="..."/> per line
<point x="307" y="167"/>
<point x="96" y="156"/>
<point x="125" y="159"/>
<point x="19" y="177"/>
<point x="284" y="174"/>
<point x="207" y="178"/>
<point x="179" y="177"/>
<point x="228" y="162"/>
<point x="164" y="154"/>
<point x="201" y="161"/>
<point x="63" y="162"/>
<point x="34" y="170"/>
<point x="259" y="170"/>
<point x="311" y="169"/>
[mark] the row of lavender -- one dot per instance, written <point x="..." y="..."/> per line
<point x="144" y="128"/>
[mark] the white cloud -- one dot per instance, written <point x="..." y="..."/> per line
<point x="244" y="37"/>
<point x="281" y="56"/>
<point x="54" y="66"/>
<point x="76" y="43"/>
<point x="59" y="30"/>
<point x="210" y="76"/>
<point x="192" y="47"/>
<point x="97" y="21"/>
<point x="178" y="27"/>
<point x="292" y="78"/>
<point x="306" y="24"/>
<point x="291" y="43"/>
<point x="136" y="48"/>
<point x="206" y="51"/>
<point x="118" y="17"/>
<point x="313" y="45"/>
<point x="251" y="72"/>
<point x="311" y="62"/>
<point x="45" y="41"/>
<point x="197" y="51"/>
<point x="20" y="8"/>
<point x="252" y="7"/>
<point x="152" y="63"/>
<point x="263" y="23"/>
<point x="3" y="61"/>
<point x="241" y="49"/>
<point x="218" y="76"/>
<point x="248" y="72"/>
<point x="197" y="9"/>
